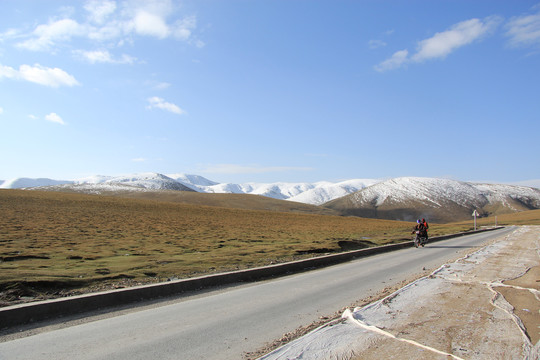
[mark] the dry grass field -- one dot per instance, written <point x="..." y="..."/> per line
<point x="54" y="243"/>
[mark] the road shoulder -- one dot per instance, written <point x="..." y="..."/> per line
<point x="484" y="305"/>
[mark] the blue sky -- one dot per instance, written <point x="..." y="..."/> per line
<point x="266" y="91"/>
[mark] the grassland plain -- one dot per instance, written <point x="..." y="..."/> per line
<point x="55" y="244"/>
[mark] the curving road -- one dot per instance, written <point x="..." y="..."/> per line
<point x="227" y="323"/>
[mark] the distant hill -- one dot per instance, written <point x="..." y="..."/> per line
<point x="308" y="193"/>
<point x="407" y="198"/>
<point x="28" y="182"/>
<point x="234" y="201"/>
<point x="107" y="184"/>
<point x="438" y="200"/>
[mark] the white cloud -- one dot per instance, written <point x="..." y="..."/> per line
<point x="99" y="11"/>
<point x="145" y="23"/>
<point x="53" y="77"/>
<point x="184" y="27"/>
<point x="46" y="36"/>
<point x="1" y="110"/>
<point x="159" y="103"/>
<point x="104" y="56"/>
<point x="162" y="86"/>
<point x="460" y="34"/>
<point x="53" y="117"/>
<point x="112" y="22"/>
<point x="8" y="72"/>
<point x="396" y="61"/>
<point x="138" y="160"/>
<point x="9" y="34"/>
<point x="442" y="44"/>
<point x="375" y="44"/>
<point x="107" y="32"/>
<point x="249" y="169"/>
<point x="524" y="30"/>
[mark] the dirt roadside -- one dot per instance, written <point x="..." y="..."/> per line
<point x="483" y="306"/>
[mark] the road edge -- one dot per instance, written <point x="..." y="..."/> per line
<point x="22" y="314"/>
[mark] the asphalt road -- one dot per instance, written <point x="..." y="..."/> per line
<point x="227" y="323"/>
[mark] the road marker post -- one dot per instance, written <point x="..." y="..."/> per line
<point x="475" y="214"/>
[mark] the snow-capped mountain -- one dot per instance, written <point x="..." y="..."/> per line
<point x="409" y="198"/>
<point x="405" y="198"/>
<point x="325" y="191"/>
<point x="98" y="184"/>
<point x="280" y="190"/>
<point x="308" y="193"/>
<point x="511" y="196"/>
<point x="149" y="181"/>
<point x="28" y="182"/>
<point x="195" y="182"/>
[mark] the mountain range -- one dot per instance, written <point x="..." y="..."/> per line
<point x="405" y="198"/>
<point x="309" y="193"/>
<point x="440" y="200"/>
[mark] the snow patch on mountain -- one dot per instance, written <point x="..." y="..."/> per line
<point x="19" y="183"/>
<point x="280" y="190"/>
<point x="430" y="191"/>
<point x="434" y="193"/>
<point x="150" y="181"/>
<point x="309" y="193"/>
<point x="527" y="196"/>
<point x="99" y="183"/>
<point x="195" y="182"/>
<point x="96" y="179"/>
<point x="325" y="191"/>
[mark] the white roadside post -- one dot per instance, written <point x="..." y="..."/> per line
<point x="475" y="214"/>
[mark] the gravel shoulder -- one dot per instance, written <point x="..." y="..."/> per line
<point x="485" y="305"/>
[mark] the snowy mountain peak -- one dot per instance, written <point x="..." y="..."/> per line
<point x="409" y="198"/>
<point x="195" y="182"/>
<point x="393" y="198"/>
<point x="309" y="193"/>
<point x="150" y="181"/>
<point x="428" y="190"/>
<point x="18" y="183"/>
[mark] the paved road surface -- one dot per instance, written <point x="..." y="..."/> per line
<point x="224" y="324"/>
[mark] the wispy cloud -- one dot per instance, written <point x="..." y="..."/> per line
<point x="103" y="56"/>
<point x="109" y="21"/>
<point x="99" y="10"/>
<point x="159" y="103"/>
<point x="160" y="85"/>
<point x="378" y="43"/>
<point x="443" y="43"/>
<point x="1" y="110"/>
<point x="52" y="77"/>
<point x="524" y="30"/>
<point x="138" y="160"/>
<point x="395" y="61"/>
<point x="53" y="117"/>
<point x="9" y="34"/>
<point x="45" y="36"/>
<point x="249" y="169"/>
<point x="375" y="44"/>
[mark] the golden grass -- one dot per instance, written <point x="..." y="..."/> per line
<point x="93" y="237"/>
<point x="75" y="239"/>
